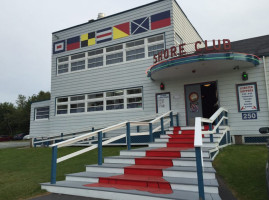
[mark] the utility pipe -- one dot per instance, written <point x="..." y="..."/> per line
<point x="266" y="82"/>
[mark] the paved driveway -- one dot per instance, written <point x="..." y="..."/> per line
<point x="14" y="144"/>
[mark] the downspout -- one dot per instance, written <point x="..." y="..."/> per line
<point x="266" y="82"/>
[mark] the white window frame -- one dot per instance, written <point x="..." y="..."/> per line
<point x="35" y="116"/>
<point x="105" y="98"/>
<point x="104" y="54"/>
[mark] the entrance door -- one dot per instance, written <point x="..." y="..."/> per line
<point x="201" y="101"/>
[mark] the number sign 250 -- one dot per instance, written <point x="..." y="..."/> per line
<point x="250" y="115"/>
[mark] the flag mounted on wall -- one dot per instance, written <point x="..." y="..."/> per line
<point x="87" y="39"/>
<point x="104" y="35"/>
<point x="140" y="25"/>
<point x="121" y="30"/>
<point x="160" y="20"/>
<point x="59" y="47"/>
<point x="73" y="43"/>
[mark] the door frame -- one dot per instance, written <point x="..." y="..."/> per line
<point x="199" y="83"/>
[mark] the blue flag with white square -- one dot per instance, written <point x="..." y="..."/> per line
<point x="59" y="47"/>
<point x="140" y="25"/>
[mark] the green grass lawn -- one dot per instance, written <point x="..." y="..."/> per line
<point x="21" y="170"/>
<point x="243" y="169"/>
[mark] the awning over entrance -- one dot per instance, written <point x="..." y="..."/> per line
<point x="201" y="65"/>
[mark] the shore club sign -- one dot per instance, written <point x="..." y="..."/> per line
<point x="199" y="47"/>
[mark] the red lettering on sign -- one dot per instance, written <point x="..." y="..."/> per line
<point x="173" y="51"/>
<point x="166" y="53"/>
<point x="226" y="44"/>
<point x="160" y="56"/>
<point x="206" y="46"/>
<point x="196" y="43"/>
<point x="214" y="45"/>
<point x="181" y="49"/>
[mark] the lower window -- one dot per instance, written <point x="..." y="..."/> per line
<point x="42" y="112"/>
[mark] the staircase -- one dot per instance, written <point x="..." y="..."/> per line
<point x="166" y="169"/>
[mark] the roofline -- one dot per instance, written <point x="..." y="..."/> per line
<point x="188" y="20"/>
<point x="110" y="16"/>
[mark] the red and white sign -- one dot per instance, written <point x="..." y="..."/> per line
<point x="247" y="97"/>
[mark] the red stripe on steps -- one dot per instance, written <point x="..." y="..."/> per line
<point x="146" y="174"/>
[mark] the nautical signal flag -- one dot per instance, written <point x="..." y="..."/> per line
<point x="160" y="20"/>
<point x="121" y="30"/>
<point x="73" y="43"/>
<point x="59" y="47"/>
<point x="87" y="39"/>
<point x="140" y="25"/>
<point x="104" y="35"/>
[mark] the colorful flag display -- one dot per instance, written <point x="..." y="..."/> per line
<point x="140" y="25"/>
<point x="104" y="35"/>
<point x="59" y="47"/>
<point x="87" y="39"/>
<point x="121" y="30"/>
<point x="137" y="26"/>
<point x="73" y="43"/>
<point x="160" y="20"/>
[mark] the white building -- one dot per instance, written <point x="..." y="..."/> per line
<point x="101" y="75"/>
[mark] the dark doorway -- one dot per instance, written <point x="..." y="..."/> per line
<point x="209" y="96"/>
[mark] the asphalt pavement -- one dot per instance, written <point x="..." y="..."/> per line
<point x="14" y="144"/>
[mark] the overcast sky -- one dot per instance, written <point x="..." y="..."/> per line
<point x="26" y="27"/>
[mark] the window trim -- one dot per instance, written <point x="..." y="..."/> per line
<point x="104" y="54"/>
<point x="124" y="96"/>
<point x="35" y="113"/>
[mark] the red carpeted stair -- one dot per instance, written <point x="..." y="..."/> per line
<point x="147" y="173"/>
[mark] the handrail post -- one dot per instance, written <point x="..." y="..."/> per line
<point x="34" y="142"/>
<point x="222" y="115"/>
<point x="93" y="131"/>
<point x="138" y="129"/>
<point x="199" y="167"/>
<point x="211" y="135"/>
<point x="177" y="118"/>
<point x="217" y="121"/>
<point x="150" y="133"/>
<point x="53" y="165"/>
<point x="128" y="136"/>
<point x="62" y="135"/>
<point x="171" y="119"/>
<point x="100" y="156"/>
<point x="162" y="126"/>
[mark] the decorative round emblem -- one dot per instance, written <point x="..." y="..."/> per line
<point x="193" y="97"/>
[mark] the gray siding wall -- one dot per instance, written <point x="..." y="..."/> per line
<point x="39" y="126"/>
<point x="227" y="98"/>
<point x="184" y="28"/>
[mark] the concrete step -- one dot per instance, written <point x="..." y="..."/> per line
<point x="175" y="171"/>
<point x="162" y="140"/>
<point x="176" y="161"/>
<point x="181" y="144"/>
<point x="188" y="184"/>
<point x="79" y="189"/>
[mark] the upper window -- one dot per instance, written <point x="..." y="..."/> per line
<point x="125" y="52"/>
<point x="42" y="112"/>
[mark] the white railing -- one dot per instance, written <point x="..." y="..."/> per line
<point x="219" y="117"/>
<point x="100" y="132"/>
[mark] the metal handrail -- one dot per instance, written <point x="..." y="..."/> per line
<point x="198" y="142"/>
<point x="100" y="143"/>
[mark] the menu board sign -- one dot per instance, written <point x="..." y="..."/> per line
<point x="247" y="97"/>
<point x="163" y="102"/>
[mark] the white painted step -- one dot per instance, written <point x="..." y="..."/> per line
<point x="176" y="171"/>
<point x="78" y="189"/>
<point x="187" y="184"/>
<point x="176" y="161"/>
